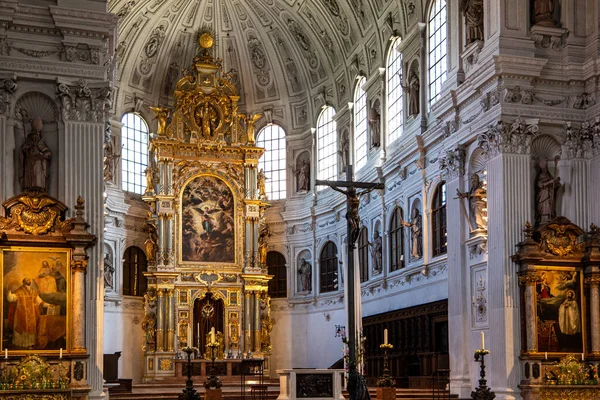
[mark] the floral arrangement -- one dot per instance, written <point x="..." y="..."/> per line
<point x="570" y="371"/>
<point x="33" y="372"/>
<point x="360" y="352"/>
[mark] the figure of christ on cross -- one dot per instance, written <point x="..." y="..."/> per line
<point x="357" y="387"/>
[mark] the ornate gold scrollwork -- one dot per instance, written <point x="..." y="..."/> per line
<point x="560" y="237"/>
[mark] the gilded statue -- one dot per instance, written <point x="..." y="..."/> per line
<point x="477" y="197"/>
<point x="473" y="12"/>
<point x="149" y="327"/>
<point x="250" y="128"/>
<point x="35" y="159"/>
<point x="150" y="189"/>
<point x="151" y="242"/>
<point x="162" y="114"/>
<point x="261" y="180"/>
<point x="546" y="187"/>
<point x="263" y="234"/>
<point x="266" y="326"/>
<point x="416" y="227"/>
<point x="234" y="339"/>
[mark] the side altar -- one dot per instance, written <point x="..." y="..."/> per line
<point x="206" y="244"/>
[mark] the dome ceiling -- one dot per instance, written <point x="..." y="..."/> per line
<point x="286" y="55"/>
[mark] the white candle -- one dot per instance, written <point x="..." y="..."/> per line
<point x="482" y="340"/>
<point x="6" y="354"/>
<point x="212" y="335"/>
<point x="582" y="358"/>
<point x="385" y="338"/>
<point x="545" y="355"/>
<point x="60" y="353"/>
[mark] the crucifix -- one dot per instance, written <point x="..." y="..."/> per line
<point x="356" y="385"/>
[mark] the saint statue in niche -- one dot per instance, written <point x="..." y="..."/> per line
<point x="109" y="270"/>
<point x="477" y="197"/>
<point x="374" y="125"/>
<point x="151" y="242"/>
<point x="305" y="276"/>
<point x="416" y="227"/>
<point x="473" y="13"/>
<point x="344" y="151"/>
<point x="35" y="159"/>
<point x="413" y="90"/>
<point x="546" y="187"/>
<point x="303" y="175"/>
<point x="376" y="252"/>
<point x="543" y="13"/>
<point x="261" y="179"/>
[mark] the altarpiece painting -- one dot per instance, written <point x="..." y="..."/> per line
<point x="35" y="299"/>
<point x="208" y="233"/>
<point x="560" y="310"/>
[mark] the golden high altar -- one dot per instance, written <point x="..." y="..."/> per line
<point x="206" y="241"/>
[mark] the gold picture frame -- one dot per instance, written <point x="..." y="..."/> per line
<point x="36" y="300"/>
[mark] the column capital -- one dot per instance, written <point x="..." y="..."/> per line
<point x="584" y="142"/>
<point x="527" y="279"/>
<point x="592" y="280"/>
<point x="508" y="138"/>
<point x="452" y="162"/>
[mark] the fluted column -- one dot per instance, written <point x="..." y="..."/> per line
<point x="577" y="204"/>
<point x="247" y="323"/>
<point x="78" y="269"/>
<point x="256" y="318"/>
<point x="170" y="320"/>
<point x="594" y="188"/>
<point x="458" y="277"/>
<point x="510" y="205"/>
<point x="160" y="321"/>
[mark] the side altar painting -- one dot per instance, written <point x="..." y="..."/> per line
<point x="207" y="221"/>
<point x="559" y="310"/>
<point x="34" y="298"/>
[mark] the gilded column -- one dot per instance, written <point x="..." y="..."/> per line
<point x="170" y="320"/>
<point x="161" y="244"/>
<point x="528" y="280"/>
<point x="247" y="323"/>
<point x="256" y="318"/>
<point x="78" y="301"/>
<point x="160" y="321"/>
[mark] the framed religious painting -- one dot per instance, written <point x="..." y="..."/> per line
<point x="35" y="299"/>
<point x="560" y="310"/>
<point x="208" y="224"/>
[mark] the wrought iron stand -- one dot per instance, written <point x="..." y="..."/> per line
<point x="213" y="380"/>
<point x="386" y="380"/>
<point x="189" y="393"/>
<point x="482" y="392"/>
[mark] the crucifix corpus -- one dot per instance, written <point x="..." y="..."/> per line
<point x="356" y="385"/>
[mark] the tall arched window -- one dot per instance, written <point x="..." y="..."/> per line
<point x="328" y="264"/>
<point x="360" y="124"/>
<point x="272" y="138"/>
<point x="438" y="220"/>
<point x="134" y="266"/>
<point x="394" y="92"/>
<point x="363" y="254"/>
<point x="438" y="48"/>
<point x="134" y="155"/>
<point x="327" y="151"/>
<point x="396" y="240"/>
<point x="277" y="268"/>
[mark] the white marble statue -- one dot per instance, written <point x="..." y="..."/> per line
<point x="35" y="159"/>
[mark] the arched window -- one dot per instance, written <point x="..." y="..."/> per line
<point x="396" y="240"/>
<point x="360" y="124"/>
<point x="134" y="155"/>
<point x="363" y="254"/>
<point x="327" y="145"/>
<point x="272" y="138"/>
<point x="437" y="49"/>
<point x="134" y="266"/>
<point x="394" y="92"/>
<point x="328" y="263"/>
<point x="438" y="220"/>
<point x="277" y="268"/>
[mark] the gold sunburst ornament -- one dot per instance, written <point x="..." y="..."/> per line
<point x="206" y="40"/>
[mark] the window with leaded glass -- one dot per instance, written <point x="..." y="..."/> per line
<point x="134" y="266"/>
<point x="438" y="220"/>
<point x="134" y="153"/>
<point x="396" y="240"/>
<point x="272" y="138"/>
<point x="328" y="265"/>
<point x="438" y="48"/>
<point x="276" y="267"/>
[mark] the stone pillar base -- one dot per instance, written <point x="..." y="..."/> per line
<point x="386" y="393"/>
<point x="213" y="394"/>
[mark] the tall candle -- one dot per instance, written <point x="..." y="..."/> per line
<point x="545" y="355"/>
<point x="582" y="358"/>
<point x="212" y="335"/>
<point x="482" y="340"/>
<point x="60" y="353"/>
<point x="6" y="354"/>
<point x="385" y="338"/>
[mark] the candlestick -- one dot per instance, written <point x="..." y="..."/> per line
<point x="482" y="340"/>
<point x="385" y="336"/>
<point x="60" y="353"/>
